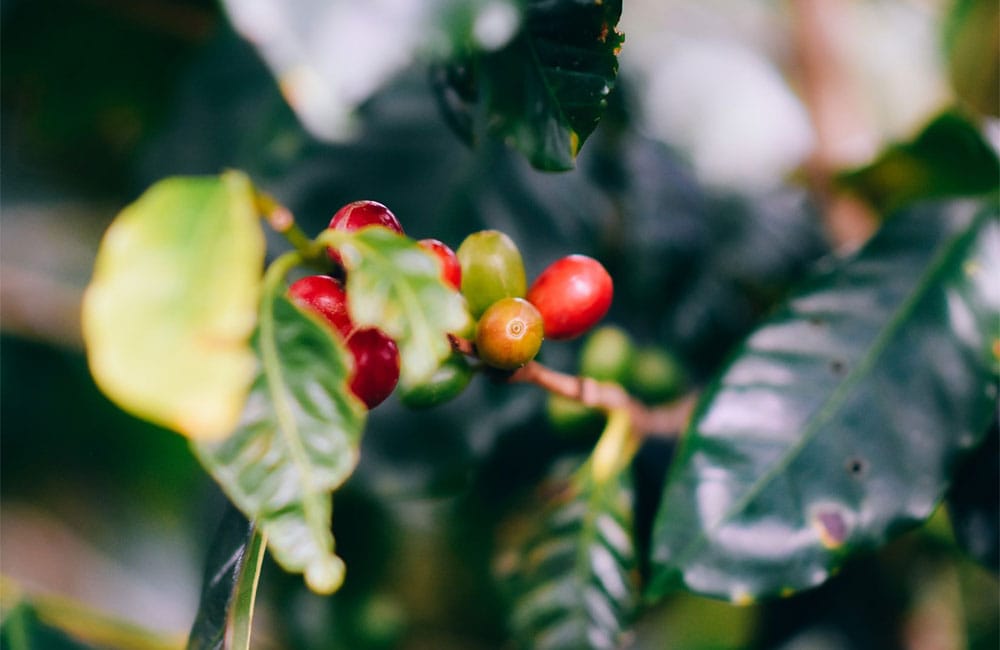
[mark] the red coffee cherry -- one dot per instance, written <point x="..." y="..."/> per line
<point x="509" y="333"/>
<point x="572" y="294"/>
<point x="359" y="214"/>
<point x="376" y="365"/>
<point x="451" y="270"/>
<point x="325" y="296"/>
<point x="376" y="356"/>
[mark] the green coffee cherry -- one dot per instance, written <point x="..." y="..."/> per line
<point x="607" y="355"/>
<point x="447" y="382"/>
<point x="656" y="375"/>
<point x="571" y="417"/>
<point x="492" y="269"/>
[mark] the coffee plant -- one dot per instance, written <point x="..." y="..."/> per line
<point x="638" y="435"/>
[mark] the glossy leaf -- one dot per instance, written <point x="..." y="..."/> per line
<point x="296" y="443"/>
<point x="225" y="612"/>
<point x="838" y="422"/>
<point x="573" y="584"/>
<point x="394" y="285"/>
<point x="546" y="90"/>
<point x="949" y="157"/>
<point x="168" y="315"/>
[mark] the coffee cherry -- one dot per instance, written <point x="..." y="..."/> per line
<point x="451" y="270"/>
<point x="359" y="214"/>
<point x="509" y="334"/>
<point x="492" y="269"/>
<point x="447" y="382"/>
<point x="325" y="296"/>
<point x="572" y="294"/>
<point x="656" y="375"/>
<point x="376" y="356"/>
<point x="376" y="365"/>
<point x="607" y="355"/>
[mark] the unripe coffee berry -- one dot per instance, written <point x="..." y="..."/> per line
<point x="492" y="269"/>
<point x="451" y="270"/>
<point x="509" y="334"/>
<point x="572" y="294"/>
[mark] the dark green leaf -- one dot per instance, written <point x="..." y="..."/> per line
<point x="949" y="157"/>
<point x="546" y="90"/>
<point x="226" y="606"/>
<point x="974" y="502"/>
<point x="21" y="630"/>
<point x="573" y="583"/>
<point x="839" y="421"/>
<point x="395" y="286"/>
<point x="297" y="441"/>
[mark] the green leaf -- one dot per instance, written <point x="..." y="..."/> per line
<point x="972" y="43"/>
<point x="839" y="421"/>
<point x="168" y="315"/>
<point x="948" y="158"/>
<point x="547" y="89"/>
<point x="230" y="585"/>
<point x="394" y="285"/>
<point x="573" y="584"/>
<point x="297" y="441"/>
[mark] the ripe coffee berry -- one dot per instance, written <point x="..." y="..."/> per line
<point x="359" y="214"/>
<point x="376" y="356"/>
<point x="572" y="294"/>
<point x="451" y="270"/>
<point x="509" y="334"/>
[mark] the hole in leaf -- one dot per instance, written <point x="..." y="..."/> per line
<point x="857" y="466"/>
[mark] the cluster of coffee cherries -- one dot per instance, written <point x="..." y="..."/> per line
<point x="567" y="299"/>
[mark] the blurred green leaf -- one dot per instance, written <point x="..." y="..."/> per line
<point x="839" y="421"/>
<point x="949" y="157"/>
<point x="574" y="583"/>
<point x="296" y="443"/>
<point x="974" y="503"/>
<point x="394" y="285"/>
<point x="545" y="91"/>
<point x="972" y="42"/>
<point x="225" y="611"/>
<point x="168" y="314"/>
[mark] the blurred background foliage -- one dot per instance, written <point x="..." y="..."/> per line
<point x="690" y="191"/>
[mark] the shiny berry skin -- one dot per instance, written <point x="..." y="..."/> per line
<point x="376" y="365"/>
<point x="359" y="214"/>
<point x="447" y="382"/>
<point x="572" y="294"/>
<point x="376" y="356"/>
<point x="492" y="269"/>
<point x="325" y="296"/>
<point x="509" y="334"/>
<point x="451" y="270"/>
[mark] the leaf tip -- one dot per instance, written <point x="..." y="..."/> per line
<point x="325" y="575"/>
